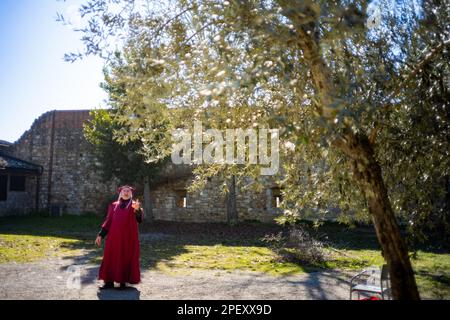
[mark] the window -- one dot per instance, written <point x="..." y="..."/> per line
<point x="17" y="183"/>
<point x="181" y="199"/>
<point x="3" y="187"/>
<point x="277" y="197"/>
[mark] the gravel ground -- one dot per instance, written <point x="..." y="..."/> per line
<point x="56" y="279"/>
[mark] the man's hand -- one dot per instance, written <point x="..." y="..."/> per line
<point x="136" y="205"/>
<point x="98" y="241"/>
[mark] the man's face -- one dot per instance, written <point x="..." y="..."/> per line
<point x="125" y="193"/>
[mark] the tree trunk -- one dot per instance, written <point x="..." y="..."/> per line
<point x="367" y="173"/>
<point x="232" y="216"/>
<point x="148" y="210"/>
<point x="366" y="169"/>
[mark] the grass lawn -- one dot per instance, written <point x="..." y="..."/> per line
<point x="28" y="239"/>
<point x="185" y="247"/>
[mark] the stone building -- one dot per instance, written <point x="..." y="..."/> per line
<point x="19" y="182"/>
<point x="172" y="201"/>
<point x="49" y="169"/>
<point x="66" y="184"/>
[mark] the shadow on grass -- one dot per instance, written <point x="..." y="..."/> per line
<point x="172" y="238"/>
<point x="71" y="232"/>
<point x="169" y="240"/>
<point x="67" y="225"/>
<point x="250" y="234"/>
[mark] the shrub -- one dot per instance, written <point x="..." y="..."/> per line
<point x="296" y="245"/>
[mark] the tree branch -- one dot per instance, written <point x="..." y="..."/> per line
<point x="426" y="60"/>
<point x="170" y="20"/>
<point x="417" y="69"/>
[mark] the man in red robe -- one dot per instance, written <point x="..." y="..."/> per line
<point x="121" y="254"/>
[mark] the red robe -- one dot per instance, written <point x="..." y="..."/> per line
<point x="121" y="255"/>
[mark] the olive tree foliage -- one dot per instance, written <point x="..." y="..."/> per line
<point x="414" y="136"/>
<point x="124" y="162"/>
<point x="235" y="64"/>
<point x="125" y="152"/>
<point x="113" y="160"/>
<point x="358" y="90"/>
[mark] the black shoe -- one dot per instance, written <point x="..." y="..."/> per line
<point x="123" y="286"/>
<point x="107" y="285"/>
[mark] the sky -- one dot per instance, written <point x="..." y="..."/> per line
<point x="34" y="78"/>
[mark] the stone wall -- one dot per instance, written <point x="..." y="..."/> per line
<point x="209" y="204"/>
<point x="20" y="202"/>
<point x="68" y="184"/>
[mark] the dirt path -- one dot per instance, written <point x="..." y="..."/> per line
<point x="56" y="279"/>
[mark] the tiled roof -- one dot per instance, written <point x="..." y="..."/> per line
<point x="10" y="163"/>
<point x="5" y="143"/>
